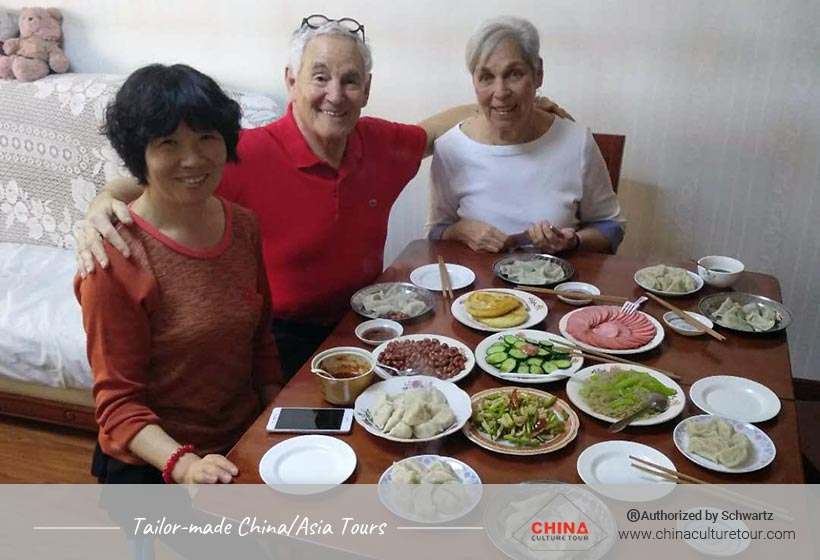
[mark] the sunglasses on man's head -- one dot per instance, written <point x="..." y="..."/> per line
<point x="316" y="21"/>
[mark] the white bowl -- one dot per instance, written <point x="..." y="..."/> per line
<point x="722" y="271"/>
<point x="362" y="329"/>
<point x="680" y="326"/>
<point x="577" y="287"/>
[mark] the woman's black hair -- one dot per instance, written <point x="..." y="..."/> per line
<point x="152" y="103"/>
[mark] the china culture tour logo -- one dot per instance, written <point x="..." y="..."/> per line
<point x="560" y="525"/>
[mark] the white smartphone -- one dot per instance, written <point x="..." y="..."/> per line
<point x="311" y="420"/>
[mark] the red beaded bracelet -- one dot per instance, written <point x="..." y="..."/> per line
<point x="172" y="461"/>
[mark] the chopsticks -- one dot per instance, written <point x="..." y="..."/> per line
<point x="573" y="295"/>
<point x="686" y="317"/>
<point x="683" y="478"/>
<point x="601" y="357"/>
<point x="446" y="287"/>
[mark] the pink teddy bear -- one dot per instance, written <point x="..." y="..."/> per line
<point x="38" y="49"/>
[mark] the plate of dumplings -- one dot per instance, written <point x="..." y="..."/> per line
<point x="412" y="409"/>
<point x="430" y="488"/>
<point x="724" y="445"/>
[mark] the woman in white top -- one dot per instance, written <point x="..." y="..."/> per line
<point x="512" y="168"/>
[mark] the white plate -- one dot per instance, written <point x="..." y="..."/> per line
<point x="763" y="449"/>
<point x="428" y="276"/>
<point x="307" y="464"/>
<point x="536" y="310"/>
<point x="659" y="334"/>
<point x="715" y="547"/>
<point x="735" y="397"/>
<point x="484" y="345"/>
<point x="391" y="499"/>
<point x="465" y="371"/>
<point x="676" y="402"/>
<point x="698" y="283"/>
<point x="458" y="400"/>
<point x="607" y="468"/>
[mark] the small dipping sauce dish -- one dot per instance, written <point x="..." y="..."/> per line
<point x="376" y="331"/>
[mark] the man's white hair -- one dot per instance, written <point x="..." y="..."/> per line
<point x="302" y="36"/>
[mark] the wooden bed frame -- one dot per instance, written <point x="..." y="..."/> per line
<point x="73" y="408"/>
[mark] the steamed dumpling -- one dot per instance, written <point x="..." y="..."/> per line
<point x="718" y="441"/>
<point x="416" y="413"/>
<point x="706" y="447"/>
<point x="450" y="497"/>
<point x="401" y="430"/>
<point x="382" y="414"/>
<point x="408" y="471"/>
<point x="734" y="456"/>
<point x="440" y="472"/>
<point x="395" y="417"/>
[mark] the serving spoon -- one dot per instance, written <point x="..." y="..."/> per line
<point x="655" y="401"/>
<point x="396" y="372"/>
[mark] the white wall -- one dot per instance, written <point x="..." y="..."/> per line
<point x="719" y="102"/>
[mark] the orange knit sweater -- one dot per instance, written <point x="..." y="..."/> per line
<point x="180" y="337"/>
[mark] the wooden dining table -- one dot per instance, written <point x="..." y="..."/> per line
<point x="760" y="357"/>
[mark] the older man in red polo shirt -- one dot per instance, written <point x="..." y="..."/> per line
<point x="321" y="181"/>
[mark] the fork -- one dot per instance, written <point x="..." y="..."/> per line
<point x="630" y="307"/>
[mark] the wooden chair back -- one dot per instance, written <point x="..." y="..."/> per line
<point x="612" y="148"/>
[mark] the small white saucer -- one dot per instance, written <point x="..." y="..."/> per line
<point x="680" y="326"/>
<point x="428" y="276"/>
<point x="577" y="287"/>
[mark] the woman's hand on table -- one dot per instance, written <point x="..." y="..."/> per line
<point x="103" y="213"/>
<point x="478" y="236"/>
<point x="210" y="469"/>
<point x="549" y="239"/>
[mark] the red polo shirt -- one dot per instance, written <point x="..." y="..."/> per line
<point x="323" y="230"/>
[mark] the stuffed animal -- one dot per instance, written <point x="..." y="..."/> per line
<point x="37" y="51"/>
<point x="8" y="27"/>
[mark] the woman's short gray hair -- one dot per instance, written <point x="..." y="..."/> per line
<point x="484" y="41"/>
<point x="302" y="36"/>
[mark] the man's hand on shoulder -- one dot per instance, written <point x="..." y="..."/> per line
<point x="103" y="213"/>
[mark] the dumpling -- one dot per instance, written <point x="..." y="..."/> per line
<point x="444" y="418"/>
<point x="724" y="430"/>
<point x="426" y="429"/>
<point x="700" y="428"/>
<point x="395" y="417"/>
<point x="449" y="498"/>
<point x="705" y="447"/>
<point x="401" y="430"/>
<point x="416" y="413"/>
<point x="423" y="500"/>
<point x="382" y="414"/>
<point x="734" y="456"/>
<point x="435" y="397"/>
<point x="440" y="472"/>
<point x="407" y="472"/>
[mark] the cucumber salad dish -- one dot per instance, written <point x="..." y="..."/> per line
<point x="528" y="356"/>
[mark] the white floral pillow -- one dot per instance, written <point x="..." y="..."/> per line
<point x="53" y="159"/>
